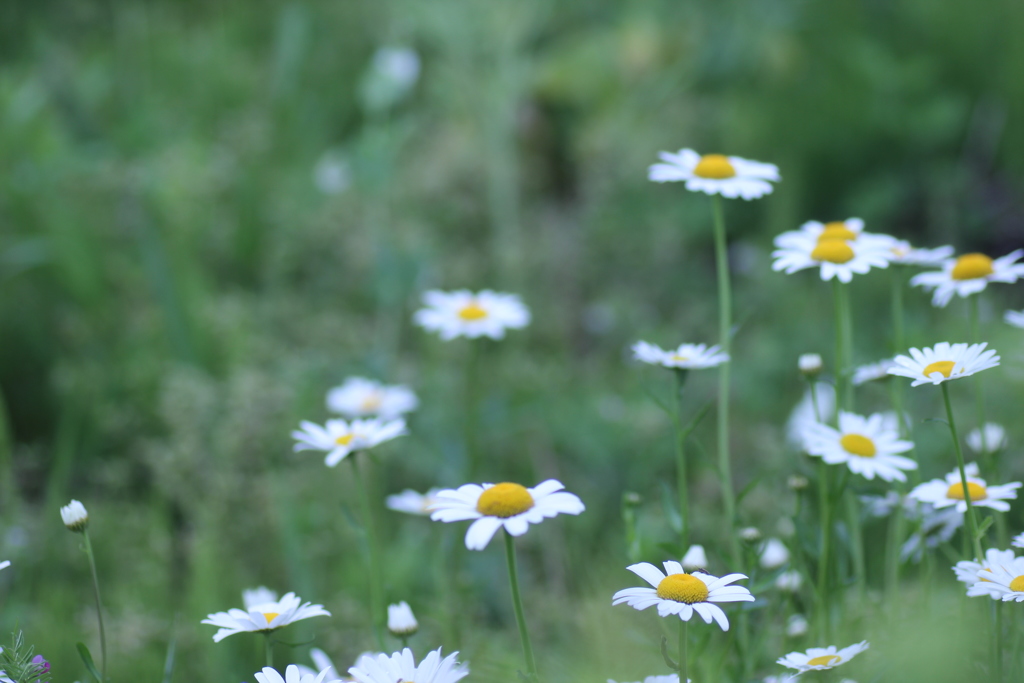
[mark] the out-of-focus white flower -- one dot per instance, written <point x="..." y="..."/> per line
<point x="821" y="658"/>
<point x="324" y="663"/>
<point x="1005" y="581"/>
<point x="1015" y="318"/>
<point x="774" y="554"/>
<point x="338" y="438"/>
<point x="750" y="534"/>
<point x="937" y="527"/>
<point x="967" y="572"/>
<point x="670" y="678"/>
<point x="392" y="74"/>
<point x="292" y="674"/>
<point x="401" y="668"/>
<point x="411" y="502"/>
<point x="809" y="364"/>
<point x="990" y="439"/>
<point x="269" y="616"/>
<point x="75" y="516"/>
<point x="258" y="596"/>
<point x="790" y="581"/>
<point x="686" y="357"/>
<point x="332" y="174"/>
<point x="804" y="414"/>
<point x="969" y="274"/>
<point x="463" y="313"/>
<point x="401" y="621"/>
<point x="695" y="558"/>
<point x="872" y="372"/>
<point x="715" y="174"/>
<point x="362" y="397"/>
<point x="796" y="625"/>
<point x="841" y="249"/>
<point x="906" y="255"/>
<point x="863" y="444"/>
<point x="950" y="491"/>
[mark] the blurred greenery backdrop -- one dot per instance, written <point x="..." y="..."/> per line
<point x="212" y="212"/>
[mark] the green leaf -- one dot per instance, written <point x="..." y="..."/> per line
<point x="668" y="502"/>
<point x="83" y="652"/>
<point x="983" y="527"/>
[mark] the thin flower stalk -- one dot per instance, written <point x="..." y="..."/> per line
<point x="517" y="604"/>
<point x="681" y="475"/>
<point x="972" y="520"/>
<point x="372" y="551"/>
<point x="683" y="668"/>
<point x="99" y="603"/>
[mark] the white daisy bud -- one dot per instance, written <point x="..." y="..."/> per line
<point x="75" y="517"/>
<point x="774" y="554"/>
<point x="797" y="482"/>
<point x="809" y="364"/>
<point x="990" y="439"/>
<point x="750" y="534"/>
<point x="695" y="558"/>
<point x="401" y="621"/>
<point x="796" y="625"/>
<point x="790" y="581"/>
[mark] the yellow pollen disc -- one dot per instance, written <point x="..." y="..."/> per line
<point x="345" y="439"/>
<point x="943" y="366"/>
<point x="972" y="266"/>
<point x="825" y="660"/>
<point x="370" y="403"/>
<point x="683" y="588"/>
<point x="504" y="500"/>
<point x="715" y="166"/>
<point x="856" y="444"/>
<point x="680" y="359"/>
<point x="472" y="311"/>
<point x="977" y="491"/>
<point x="836" y="231"/>
<point x="271" y="616"/>
<point x="833" y="251"/>
<point x="1017" y="585"/>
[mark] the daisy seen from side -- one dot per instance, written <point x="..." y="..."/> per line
<point x="872" y="372"/>
<point x="338" y="438"/>
<point x="904" y="254"/>
<point x="822" y="658"/>
<point x="942" y="493"/>
<point x="292" y="674"/>
<point x="991" y="438"/>
<point x="362" y="397"/>
<point x="836" y="256"/>
<point x="969" y="274"/>
<point x="1015" y="318"/>
<point x="712" y="174"/>
<point x="864" y="444"/>
<point x="678" y="593"/>
<point x="507" y="505"/>
<point x="685" y="357"/>
<point x="268" y="616"/>
<point x="401" y="667"/>
<point x="944" y="362"/>
<point x="463" y="313"/>
<point x="412" y="502"/>
<point x="967" y="571"/>
<point x="1005" y="581"/>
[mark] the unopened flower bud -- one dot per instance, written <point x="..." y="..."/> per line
<point x="631" y="499"/>
<point x="75" y="516"/>
<point x="796" y="626"/>
<point x="774" y="554"/>
<point x="809" y="364"/>
<point x="750" y="534"/>
<point x="401" y="621"/>
<point x="797" y="482"/>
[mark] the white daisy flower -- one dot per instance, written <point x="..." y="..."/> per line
<point x="943" y="493"/>
<point x="715" y="174"/>
<point x="268" y="616"/>
<point x="872" y="372"/>
<point x="1007" y="580"/>
<point x="401" y="621"/>
<point x="937" y="527"/>
<point x="774" y="554"/>
<point x="323" y="662"/>
<point x="805" y="414"/>
<point x="1015" y="318"/>
<point x="339" y="438"/>
<point x="967" y="572"/>
<point x="362" y="397"/>
<point x="782" y="679"/>
<point x="463" y="313"/>
<point x="686" y="357"/>
<point x="821" y="658"/>
<point x="74" y="516"/>
<point x="401" y="668"/>
<point x="944" y="362"/>
<point x="1018" y="541"/>
<point x="670" y="678"/>
<point x="789" y="581"/>
<point x="677" y="593"/>
<point x="5" y="564"/>
<point x="695" y="558"/>
<point x="796" y="626"/>
<point x="809" y="363"/>
<point x="412" y="502"/>
<point x="832" y="249"/>
<point x="864" y="444"/>
<point x="258" y="596"/>
<point x="969" y="274"/>
<point x="850" y="230"/>
<point x="906" y="255"/>
<point x="292" y="674"/>
<point x="507" y="505"/>
<point x="990" y="439"/>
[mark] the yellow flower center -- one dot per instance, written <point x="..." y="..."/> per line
<point x="683" y="588"/>
<point x="270" y="616"/>
<point x="370" y="403"/>
<point x="679" y="359"/>
<point x="943" y="366"/>
<point x="833" y="251"/>
<point x="977" y="491"/>
<point x="472" y="311"/>
<point x="856" y="444"/>
<point x="715" y="166"/>
<point x="504" y="500"/>
<point x="1017" y="585"/>
<point x="836" y="230"/>
<point x="344" y="439"/>
<point x="972" y="266"/>
<point x="825" y="660"/>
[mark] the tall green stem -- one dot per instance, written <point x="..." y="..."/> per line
<point x="372" y="552"/>
<point x="844" y="346"/>
<point x="681" y="478"/>
<point x="471" y="409"/>
<point x="725" y="340"/>
<point x="268" y="650"/>
<point x="683" y="668"/>
<point x="825" y="511"/>
<point x="972" y="521"/>
<point x="899" y="345"/>
<point x="837" y="306"/>
<point x="979" y="391"/>
<point x="99" y="603"/>
<point x="517" y="603"/>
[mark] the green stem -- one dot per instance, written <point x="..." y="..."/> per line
<point x="972" y="521"/>
<point x="899" y="346"/>
<point x="517" y="604"/>
<point x="724" y="335"/>
<point x="681" y="478"/>
<point x="682" y="651"/>
<point x="814" y="401"/>
<point x="997" y="662"/>
<point x="825" y="510"/>
<point x="856" y="543"/>
<point x="372" y="552"/>
<point x="268" y="650"/>
<point x="99" y="603"/>
<point x="979" y="392"/>
<point x="471" y="410"/>
<point x="837" y="306"/>
<point x="846" y="329"/>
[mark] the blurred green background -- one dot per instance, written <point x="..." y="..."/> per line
<point x="212" y="212"/>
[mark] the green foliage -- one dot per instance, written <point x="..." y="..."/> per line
<point x="16" y="662"/>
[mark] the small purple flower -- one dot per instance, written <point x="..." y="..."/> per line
<point x="42" y="663"/>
